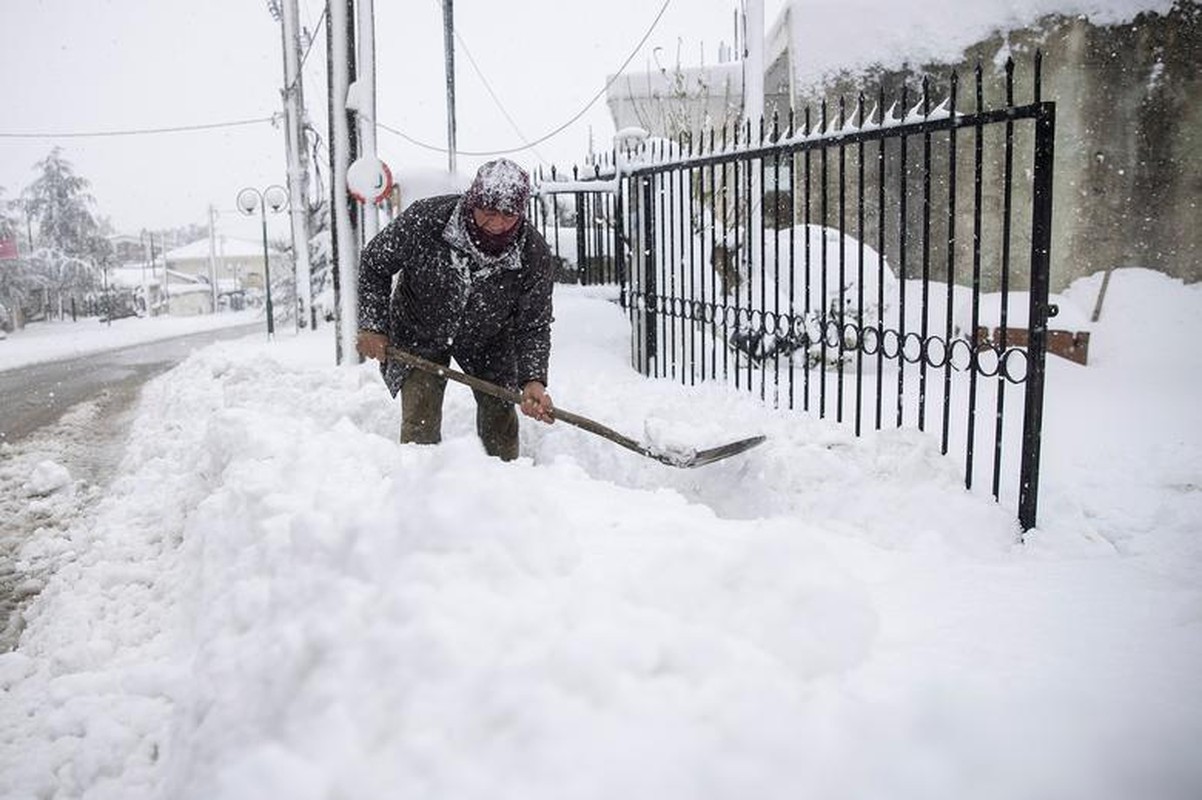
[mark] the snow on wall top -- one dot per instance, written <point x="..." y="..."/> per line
<point x="832" y="35"/>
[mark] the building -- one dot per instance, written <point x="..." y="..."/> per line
<point x="235" y="262"/>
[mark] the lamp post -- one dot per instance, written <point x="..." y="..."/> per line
<point x="275" y="199"/>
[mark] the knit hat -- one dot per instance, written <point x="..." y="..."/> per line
<point x="500" y="185"/>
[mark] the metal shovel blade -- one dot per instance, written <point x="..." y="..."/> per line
<point x="709" y="456"/>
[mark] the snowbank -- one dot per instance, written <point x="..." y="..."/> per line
<point x="276" y="600"/>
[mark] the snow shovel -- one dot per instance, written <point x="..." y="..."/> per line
<point x="671" y="456"/>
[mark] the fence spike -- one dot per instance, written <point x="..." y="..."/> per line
<point x="829" y="124"/>
<point x="979" y="85"/>
<point x="1038" y="75"/>
<point x="792" y="121"/>
<point x="1010" y="80"/>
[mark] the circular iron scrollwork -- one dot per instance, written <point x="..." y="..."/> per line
<point x="961" y="355"/>
<point x="912" y="347"/>
<point x="871" y="341"/>
<point x="1008" y="372"/>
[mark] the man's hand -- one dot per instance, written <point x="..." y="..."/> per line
<point x="536" y="403"/>
<point x="371" y="344"/>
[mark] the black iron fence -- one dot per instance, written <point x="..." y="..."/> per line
<point x="881" y="260"/>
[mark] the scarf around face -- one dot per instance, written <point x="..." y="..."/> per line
<point x="492" y="244"/>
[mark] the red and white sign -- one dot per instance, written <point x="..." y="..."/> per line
<point x="369" y="179"/>
<point x="8" y="249"/>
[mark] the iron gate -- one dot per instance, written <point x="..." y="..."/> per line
<point x="838" y="261"/>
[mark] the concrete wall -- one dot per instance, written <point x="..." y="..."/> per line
<point x="1128" y="167"/>
<point x="1129" y="141"/>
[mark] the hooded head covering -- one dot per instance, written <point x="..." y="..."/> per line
<point x="500" y="185"/>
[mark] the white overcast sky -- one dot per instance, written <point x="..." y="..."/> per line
<point x="109" y="65"/>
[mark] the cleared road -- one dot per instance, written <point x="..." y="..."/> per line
<point x="35" y="396"/>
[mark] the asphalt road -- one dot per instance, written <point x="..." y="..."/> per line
<point x="37" y="395"/>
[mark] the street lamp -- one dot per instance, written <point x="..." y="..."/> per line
<point x="275" y="199"/>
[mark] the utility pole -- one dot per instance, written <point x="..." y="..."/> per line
<point x="753" y="64"/>
<point x="165" y="288"/>
<point x="753" y="103"/>
<point x="365" y="90"/>
<point x="298" y="158"/>
<point x="340" y="49"/>
<point x="213" y="254"/>
<point x="448" y="25"/>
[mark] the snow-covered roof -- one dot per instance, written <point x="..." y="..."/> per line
<point x="227" y="246"/>
<point x="188" y="288"/>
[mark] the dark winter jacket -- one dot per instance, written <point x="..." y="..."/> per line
<point x="492" y="314"/>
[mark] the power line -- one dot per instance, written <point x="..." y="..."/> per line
<point x="488" y="87"/>
<point x="556" y="131"/>
<point x="139" y="131"/>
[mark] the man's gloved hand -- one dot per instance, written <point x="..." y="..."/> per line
<point x="536" y="403"/>
<point x="371" y="344"/>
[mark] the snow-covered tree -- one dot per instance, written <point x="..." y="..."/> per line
<point x="16" y="283"/>
<point x="59" y="205"/>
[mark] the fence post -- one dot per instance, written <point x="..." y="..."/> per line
<point x="648" y="287"/>
<point x="581" y="255"/>
<point x="1041" y="239"/>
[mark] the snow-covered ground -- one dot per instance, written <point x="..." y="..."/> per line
<point x="58" y="339"/>
<point x="274" y="599"/>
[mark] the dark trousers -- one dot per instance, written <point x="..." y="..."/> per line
<point x="421" y="416"/>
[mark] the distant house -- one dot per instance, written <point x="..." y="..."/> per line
<point x="127" y="249"/>
<point x="188" y="295"/>
<point x="134" y="289"/>
<point x="681" y="100"/>
<point x="235" y="262"/>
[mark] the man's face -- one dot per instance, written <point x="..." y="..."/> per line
<point x="494" y="222"/>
